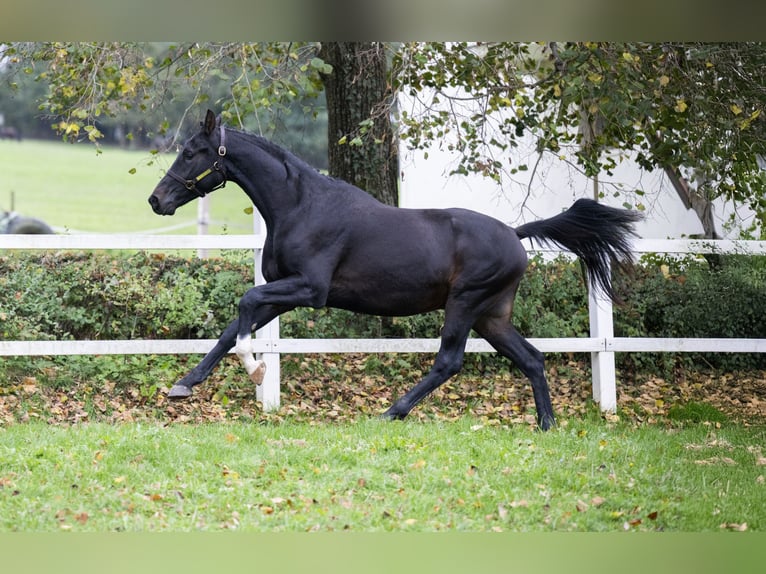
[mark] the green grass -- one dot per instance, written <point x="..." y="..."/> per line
<point x="71" y="187"/>
<point x="696" y="412"/>
<point x="375" y="476"/>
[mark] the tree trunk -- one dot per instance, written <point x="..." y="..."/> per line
<point x="693" y="199"/>
<point x="362" y="145"/>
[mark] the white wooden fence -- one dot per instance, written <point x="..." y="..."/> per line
<point x="602" y="344"/>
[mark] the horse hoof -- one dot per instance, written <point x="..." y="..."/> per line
<point x="179" y="392"/>
<point x="258" y="373"/>
<point x="546" y="424"/>
<point x="392" y="416"/>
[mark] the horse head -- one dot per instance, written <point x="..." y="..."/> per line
<point x="197" y="170"/>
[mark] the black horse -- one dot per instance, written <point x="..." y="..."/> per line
<point x="331" y="244"/>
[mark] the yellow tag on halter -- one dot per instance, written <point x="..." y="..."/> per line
<point x="204" y="174"/>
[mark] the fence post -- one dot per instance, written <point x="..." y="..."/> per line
<point x="203" y="221"/>
<point x="268" y="391"/>
<point x="602" y="362"/>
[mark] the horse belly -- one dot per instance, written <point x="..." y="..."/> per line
<point x="382" y="294"/>
<point x="391" y="307"/>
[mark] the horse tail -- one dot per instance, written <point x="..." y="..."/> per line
<point x="599" y="235"/>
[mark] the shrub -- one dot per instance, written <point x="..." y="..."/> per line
<point x="689" y="298"/>
<point x="65" y="295"/>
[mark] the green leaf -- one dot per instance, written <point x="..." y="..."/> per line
<point x="321" y="66"/>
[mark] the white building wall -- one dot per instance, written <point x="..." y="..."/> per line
<point x="548" y="186"/>
<point x="554" y="187"/>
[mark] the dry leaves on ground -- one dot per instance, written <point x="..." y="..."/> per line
<point x="343" y="387"/>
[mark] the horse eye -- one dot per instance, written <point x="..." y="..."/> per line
<point x="188" y="154"/>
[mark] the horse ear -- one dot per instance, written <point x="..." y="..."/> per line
<point x="210" y="122"/>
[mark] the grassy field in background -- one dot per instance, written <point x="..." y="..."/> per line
<point x="372" y="475"/>
<point x="72" y="188"/>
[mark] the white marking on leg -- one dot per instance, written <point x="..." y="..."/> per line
<point x="255" y="369"/>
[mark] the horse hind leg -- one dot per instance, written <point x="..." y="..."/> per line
<point x="508" y="342"/>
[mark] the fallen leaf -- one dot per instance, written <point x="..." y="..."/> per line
<point x="581" y="506"/>
<point x="597" y="501"/>
<point x="226" y="471"/>
<point x="734" y="526"/>
<point x="652" y="515"/>
<point x="81" y="517"/>
<point x="717" y="460"/>
<point x="29" y="384"/>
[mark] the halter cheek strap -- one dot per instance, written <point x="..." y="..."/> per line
<point x="191" y="184"/>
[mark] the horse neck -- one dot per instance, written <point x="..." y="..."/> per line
<point x="262" y="176"/>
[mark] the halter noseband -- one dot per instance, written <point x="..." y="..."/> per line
<point x="191" y="184"/>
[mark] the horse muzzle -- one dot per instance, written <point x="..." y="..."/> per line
<point x="161" y="203"/>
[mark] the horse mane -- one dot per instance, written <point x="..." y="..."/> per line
<point x="280" y="153"/>
<point x="294" y="162"/>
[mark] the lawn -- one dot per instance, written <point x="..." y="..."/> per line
<point x="75" y="189"/>
<point x="370" y="475"/>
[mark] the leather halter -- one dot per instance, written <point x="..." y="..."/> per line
<point x="191" y="184"/>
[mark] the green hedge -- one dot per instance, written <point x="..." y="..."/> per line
<point x="689" y="298"/>
<point x="69" y="295"/>
<point x="100" y="296"/>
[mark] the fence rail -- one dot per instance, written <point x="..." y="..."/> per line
<point x="601" y="344"/>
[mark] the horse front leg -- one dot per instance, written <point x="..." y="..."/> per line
<point x="283" y="294"/>
<point x="183" y="388"/>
